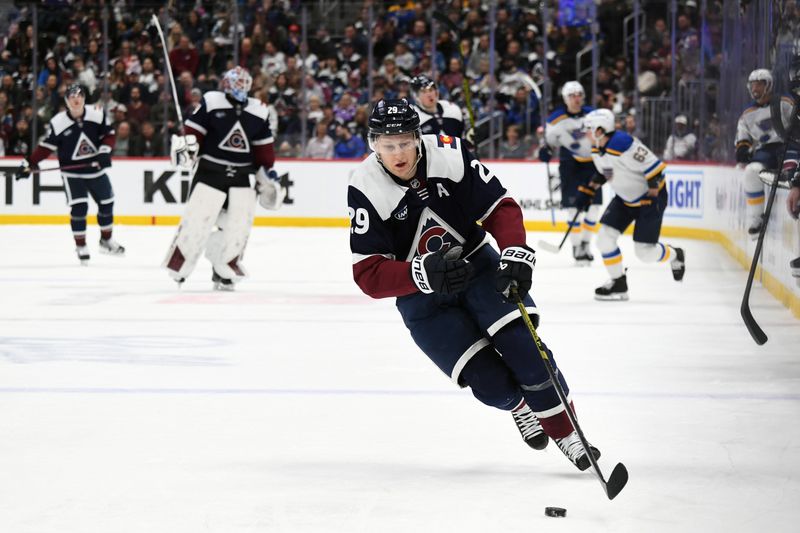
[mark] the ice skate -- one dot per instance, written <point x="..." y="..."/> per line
<point x="583" y="257"/>
<point x="755" y="227"/>
<point x="111" y="247"/>
<point x="220" y="283"/>
<point x="794" y="265"/>
<point x="529" y="427"/>
<point x="615" y="289"/>
<point x="573" y="449"/>
<point x="678" y="265"/>
<point x="83" y="254"/>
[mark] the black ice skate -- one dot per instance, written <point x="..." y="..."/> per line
<point x="220" y="283"/>
<point x="615" y="289"/>
<point x="678" y="265"/>
<point x="573" y="449"/>
<point x="83" y="254"/>
<point x="755" y="228"/>
<point x="582" y="255"/>
<point x="111" y="247"/>
<point x="529" y="427"/>
<point x="794" y="264"/>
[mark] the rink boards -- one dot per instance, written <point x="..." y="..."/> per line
<point x="705" y="202"/>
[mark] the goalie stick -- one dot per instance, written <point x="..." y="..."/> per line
<point x="619" y="476"/>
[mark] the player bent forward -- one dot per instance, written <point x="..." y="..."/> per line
<point x="232" y="134"/>
<point x="637" y="177"/>
<point x="83" y="140"/>
<point x="413" y="207"/>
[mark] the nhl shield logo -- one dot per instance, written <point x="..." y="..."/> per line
<point x="236" y="140"/>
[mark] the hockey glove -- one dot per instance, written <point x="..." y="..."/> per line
<point x="25" y="169"/>
<point x="469" y="136"/>
<point x="584" y="197"/>
<point x="544" y="154"/>
<point x="516" y="267"/>
<point x="103" y="159"/>
<point x="789" y="169"/>
<point x="441" y="271"/>
<point x="270" y="191"/>
<point x="743" y="154"/>
<point x="183" y="151"/>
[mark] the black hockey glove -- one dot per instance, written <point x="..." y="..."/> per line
<point x="103" y="159"/>
<point x="743" y="154"/>
<point x="584" y="197"/>
<point x="25" y="169"/>
<point x="516" y="266"/>
<point x="441" y="271"/>
<point x="545" y="155"/>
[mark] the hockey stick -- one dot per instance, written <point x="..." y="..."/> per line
<point x="169" y="72"/>
<point x="450" y="25"/>
<point x="93" y="164"/>
<point x="747" y="315"/>
<point x="550" y="192"/>
<point x="619" y="476"/>
<point x="555" y="249"/>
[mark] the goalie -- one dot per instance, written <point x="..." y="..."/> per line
<point x="225" y="141"/>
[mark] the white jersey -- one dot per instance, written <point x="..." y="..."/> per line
<point x="680" y="146"/>
<point x="627" y="164"/>
<point x="565" y="130"/>
<point x="447" y="120"/>
<point x="755" y="126"/>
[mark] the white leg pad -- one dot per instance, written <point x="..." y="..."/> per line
<point x="226" y="246"/>
<point x="197" y="222"/>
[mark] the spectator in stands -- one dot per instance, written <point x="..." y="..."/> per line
<point x="248" y="58"/>
<point x="147" y="143"/>
<point x="630" y="124"/>
<point x="120" y="114"/>
<point x="682" y="144"/>
<point x="514" y="147"/>
<point x="83" y="75"/>
<point x="453" y="77"/>
<point x="345" y="108"/>
<point x="194" y="28"/>
<point x="321" y="145"/>
<point x="348" y="146"/>
<point x="196" y="100"/>
<point x="19" y="142"/>
<point x="122" y="146"/>
<point x="315" y="113"/>
<point x="273" y="62"/>
<point x="138" y="111"/>
<point x="347" y="56"/>
<point x="184" y="57"/>
<point x="404" y="59"/>
<point x="148" y="79"/>
<point x="50" y="67"/>
<point x="211" y="63"/>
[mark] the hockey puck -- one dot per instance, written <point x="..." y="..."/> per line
<point x="555" y="511"/>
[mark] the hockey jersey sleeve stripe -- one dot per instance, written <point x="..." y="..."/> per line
<point x="556" y="120"/>
<point x="379" y="277"/>
<point x="657" y="168"/>
<point x="505" y="224"/>
<point x="49" y="146"/>
<point x="580" y="159"/>
<point x="194" y="125"/>
<point x="263" y="141"/>
<point x="357" y="258"/>
<point x="611" y="151"/>
<point x="743" y="142"/>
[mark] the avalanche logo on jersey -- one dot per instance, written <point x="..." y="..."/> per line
<point x="433" y="234"/>
<point x="236" y="140"/>
<point x="84" y="148"/>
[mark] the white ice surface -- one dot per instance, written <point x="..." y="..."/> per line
<point x="296" y="404"/>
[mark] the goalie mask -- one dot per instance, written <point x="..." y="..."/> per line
<point x="237" y="82"/>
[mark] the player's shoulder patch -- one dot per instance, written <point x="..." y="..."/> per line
<point x="618" y="143"/>
<point x="558" y="115"/>
<point x="376" y="186"/>
<point x="444" y="157"/>
<point x="257" y="107"/>
<point x="216" y="100"/>
<point x="60" y="122"/>
<point x="443" y="140"/>
<point x="94" y="114"/>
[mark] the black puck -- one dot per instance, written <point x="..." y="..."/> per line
<point x="555" y="511"/>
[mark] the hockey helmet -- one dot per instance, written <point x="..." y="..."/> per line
<point x="237" y="82"/>
<point x="392" y="117"/>
<point x="759" y="74"/>
<point x="421" y="82"/>
<point x="599" y="118"/>
<point x="570" y="88"/>
<point x="75" y="89"/>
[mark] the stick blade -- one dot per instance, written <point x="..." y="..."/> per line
<point x="616" y="481"/>
<point x="752" y="326"/>
<point x="546" y="246"/>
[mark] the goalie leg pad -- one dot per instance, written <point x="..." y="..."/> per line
<point x="197" y="222"/>
<point x="226" y="246"/>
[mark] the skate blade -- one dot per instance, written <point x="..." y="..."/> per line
<point x="84" y="262"/>
<point x="622" y="297"/>
<point x="223" y="288"/>
<point x="583" y="263"/>
<point x="112" y="252"/>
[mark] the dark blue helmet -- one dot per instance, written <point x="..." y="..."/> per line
<point x="393" y="117"/>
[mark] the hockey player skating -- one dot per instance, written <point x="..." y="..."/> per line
<point x="758" y="143"/>
<point x="637" y="177"/>
<point x="231" y="134"/>
<point x="83" y="139"/>
<point x="413" y="207"/>
<point x="437" y="116"/>
<point x="565" y="132"/>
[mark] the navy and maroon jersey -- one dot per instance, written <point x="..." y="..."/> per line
<point x="77" y="141"/>
<point x="447" y="120"/>
<point x="392" y="221"/>
<point x="230" y="133"/>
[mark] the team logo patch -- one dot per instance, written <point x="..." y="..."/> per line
<point x="445" y="140"/>
<point x="577" y="134"/>
<point x="765" y="125"/>
<point x="236" y="140"/>
<point x="434" y="237"/>
<point x="84" y="148"/>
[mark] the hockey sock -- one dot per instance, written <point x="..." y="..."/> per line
<point x="590" y="223"/>
<point x="575" y="234"/>
<point x="77" y="221"/>
<point x="105" y="219"/>
<point x="613" y="262"/>
<point x="754" y="192"/>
